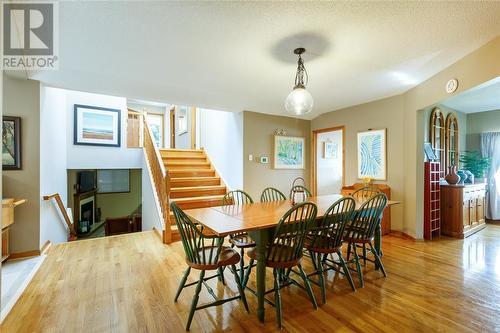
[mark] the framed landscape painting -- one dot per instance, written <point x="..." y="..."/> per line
<point x="95" y="126"/>
<point x="288" y="152"/>
<point x="372" y="154"/>
<point x="11" y="143"/>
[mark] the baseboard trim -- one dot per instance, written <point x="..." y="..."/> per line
<point x="496" y="222"/>
<point x="22" y="255"/>
<point x="158" y="233"/>
<point x="400" y="234"/>
<point x="46" y="247"/>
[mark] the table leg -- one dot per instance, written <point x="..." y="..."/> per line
<point x="261" y="238"/>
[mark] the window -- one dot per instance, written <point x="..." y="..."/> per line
<point x="437" y="137"/>
<point x="113" y="181"/>
<point x="156" y="124"/>
<point x="451" y="140"/>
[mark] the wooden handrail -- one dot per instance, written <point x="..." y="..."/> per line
<point x="71" y="226"/>
<point x="161" y="179"/>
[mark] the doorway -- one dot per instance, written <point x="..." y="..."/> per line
<point x="328" y="170"/>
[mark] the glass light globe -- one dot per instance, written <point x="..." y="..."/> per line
<point x="299" y="102"/>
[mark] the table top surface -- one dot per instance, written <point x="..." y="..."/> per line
<point x="226" y="220"/>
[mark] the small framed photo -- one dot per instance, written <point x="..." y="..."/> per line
<point x="264" y="159"/>
<point x="429" y="152"/>
<point x="11" y="143"/>
<point x="330" y="150"/>
<point x="96" y="126"/>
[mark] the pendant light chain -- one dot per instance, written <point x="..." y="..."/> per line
<point x="301" y="77"/>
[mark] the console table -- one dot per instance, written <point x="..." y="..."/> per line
<point x="8" y="206"/>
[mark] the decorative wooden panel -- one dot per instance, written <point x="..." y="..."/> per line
<point x="451" y="147"/>
<point x="437" y="137"/>
<point x="432" y="200"/>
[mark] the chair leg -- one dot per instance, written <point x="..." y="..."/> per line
<point x="347" y="271"/>
<point x="240" y="288"/>
<point x="358" y="267"/>
<point x="364" y="254"/>
<point x="247" y="274"/>
<point x="242" y="264"/>
<point x="277" y="298"/>
<point x="348" y="251"/>
<point x="312" y="255"/>
<point x="321" y="279"/>
<point x="195" y="300"/>
<point x="378" y="261"/>
<point x="220" y="271"/>
<point x="183" y="282"/>
<point x="308" y="286"/>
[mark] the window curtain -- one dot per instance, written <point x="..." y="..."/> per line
<point x="490" y="147"/>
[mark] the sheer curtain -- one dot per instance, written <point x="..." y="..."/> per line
<point x="490" y="147"/>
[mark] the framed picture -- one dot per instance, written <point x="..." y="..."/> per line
<point x="288" y="152"/>
<point x="331" y="150"/>
<point x="182" y="119"/>
<point x="156" y="122"/>
<point x="95" y="126"/>
<point x="429" y="152"/>
<point x="372" y="159"/>
<point x="11" y="143"/>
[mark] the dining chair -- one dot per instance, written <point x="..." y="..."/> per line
<point x="204" y="253"/>
<point x="325" y="238"/>
<point x="241" y="240"/>
<point x="285" y="251"/>
<point x="362" y="229"/>
<point x="363" y="194"/>
<point x="271" y="194"/>
<point x="299" y="188"/>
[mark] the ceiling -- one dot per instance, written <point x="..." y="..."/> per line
<point x="485" y="97"/>
<point x="238" y="55"/>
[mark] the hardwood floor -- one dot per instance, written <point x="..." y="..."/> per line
<point x="127" y="283"/>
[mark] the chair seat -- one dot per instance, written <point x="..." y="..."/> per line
<point x="227" y="257"/>
<point x="280" y="252"/>
<point x="358" y="240"/>
<point x="242" y="240"/>
<point x="321" y="244"/>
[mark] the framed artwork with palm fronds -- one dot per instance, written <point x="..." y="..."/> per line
<point x="372" y="157"/>
<point x="289" y="152"/>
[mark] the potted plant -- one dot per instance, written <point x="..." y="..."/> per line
<point x="475" y="163"/>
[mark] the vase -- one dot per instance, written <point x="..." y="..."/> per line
<point x="470" y="177"/>
<point x="463" y="177"/>
<point x="452" y="177"/>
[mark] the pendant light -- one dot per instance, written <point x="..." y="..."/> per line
<point x="299" y="101"/>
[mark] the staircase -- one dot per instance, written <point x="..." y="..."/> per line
<point x="194" y="183"/>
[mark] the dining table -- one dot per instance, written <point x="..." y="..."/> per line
<point x="259" y="220"/>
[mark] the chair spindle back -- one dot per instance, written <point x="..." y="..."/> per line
<point x="236" y="197"/>
<point x="367" y="217"/>
<point x="271" y="194"/>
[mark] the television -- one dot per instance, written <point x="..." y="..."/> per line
<point x="86" y="181"/>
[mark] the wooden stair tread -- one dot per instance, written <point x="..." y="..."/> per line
<point x="175" y="150"/>
<point x="197" y="188"/>
<point x="195" y="199"/>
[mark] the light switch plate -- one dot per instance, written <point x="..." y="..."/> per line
<point x="250" y="157"/>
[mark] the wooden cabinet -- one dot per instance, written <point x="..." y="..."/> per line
<point x="386" y="219"/>
<point x="8" y="206"/>
<point x="462" y="209"/>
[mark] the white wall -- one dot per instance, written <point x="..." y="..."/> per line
<point x="183" y="141"/>
<point x="151" y="213"/>
<point x="329" y="170"/>
<point x="53" y="163"/>
<point x="221" y="135"/>
<point x="95" y="157"/>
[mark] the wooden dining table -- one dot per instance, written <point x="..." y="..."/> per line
<point x="259" y="220"/>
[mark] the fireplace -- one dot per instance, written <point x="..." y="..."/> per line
<point x="85" y="211"/>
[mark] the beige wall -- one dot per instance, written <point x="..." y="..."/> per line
<point x="386" y="113"/>
<point x="113" y="204"/>
<point x="478" y="123"/>
<point x="22" y="99"/>
<point x="258" y="140"/>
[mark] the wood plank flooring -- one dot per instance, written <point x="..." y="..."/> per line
<point x="127" y="284"/>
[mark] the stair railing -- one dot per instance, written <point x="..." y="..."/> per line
<point x="64" y="213"/>
<point x="161" y="179"/>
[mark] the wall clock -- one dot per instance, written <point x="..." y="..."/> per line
<point x="451" y="86"/>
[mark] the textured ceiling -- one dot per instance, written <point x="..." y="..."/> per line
<point x="238" y="56"/>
